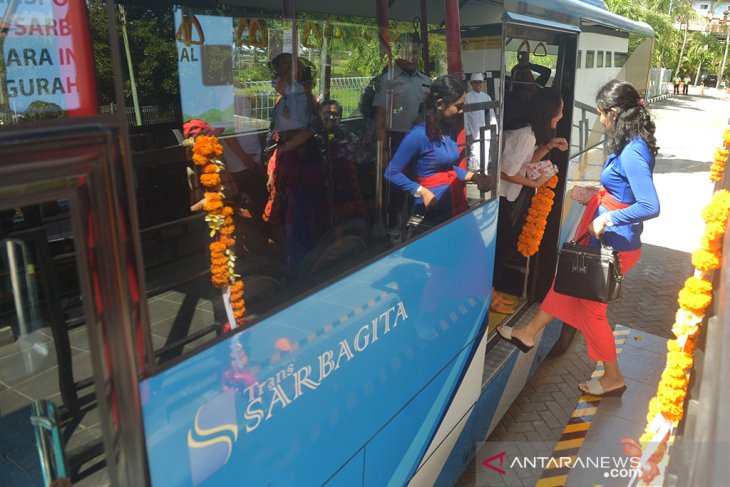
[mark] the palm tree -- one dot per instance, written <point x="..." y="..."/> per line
<point x="727" y="44"/>
<point x="683" y="13"/>
<point x="700" y="44"/>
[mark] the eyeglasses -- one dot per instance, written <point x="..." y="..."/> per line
<point x="331" y="114"/>
<point x="459" y="106"/>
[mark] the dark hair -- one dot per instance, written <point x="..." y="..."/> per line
<point x="632" y="118"/>
<point x="329" y="102"/>
<point x="545" y="104"/>
<point x="447" y="88"/>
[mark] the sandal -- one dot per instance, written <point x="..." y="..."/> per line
<point x="596" y="389"/>
<point x="501" y="308"/>
<point x="504" y="298"/>
<point x="505" y="332"/>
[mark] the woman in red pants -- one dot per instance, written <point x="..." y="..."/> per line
<point x="616" y="214"/>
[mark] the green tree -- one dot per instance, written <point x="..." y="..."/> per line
<point x="152" y="48"/>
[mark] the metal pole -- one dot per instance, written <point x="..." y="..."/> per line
<point x="135" y="101"/>
<point x="453" y="38"/>
<point x="424" y="38"/>
<point x="15" y="282"/>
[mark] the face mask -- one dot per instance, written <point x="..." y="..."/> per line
<point x="410" y="52"/>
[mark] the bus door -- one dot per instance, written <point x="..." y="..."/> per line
<point x="537" y="54"/>
<point x="69" y="305"/>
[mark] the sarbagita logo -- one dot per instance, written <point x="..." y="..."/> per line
<point x="211" y="440"/>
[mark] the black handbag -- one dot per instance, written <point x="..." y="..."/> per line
<point x="592" y="273"/>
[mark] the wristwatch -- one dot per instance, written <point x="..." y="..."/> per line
<point x="609" y="222"/>
<point x="417" y="192"/>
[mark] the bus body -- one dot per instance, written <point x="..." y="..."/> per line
<point x="369" y="361"/>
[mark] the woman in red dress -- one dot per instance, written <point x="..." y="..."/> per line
<point x="615" y="214"/>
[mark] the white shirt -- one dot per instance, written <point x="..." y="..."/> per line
<point x="408" y="92"/>
<point x="473" y="121"/>
<point x="291" y="113"/>
<point x="519" y="147"/>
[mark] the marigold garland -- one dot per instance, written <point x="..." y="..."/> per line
<point x="206" y="153"/>
<point x="717" y="170"/>
<point x="667" y="406"/>
<point x="532" y="231"/>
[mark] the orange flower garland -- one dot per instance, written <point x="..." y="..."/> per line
<point x="532" y="231"/>
<point x="667" y="406"/>
<point x="206" y="153"/>
<point x="720" y="159"/>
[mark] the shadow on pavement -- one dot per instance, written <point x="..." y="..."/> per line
<point x="681" y="102"/>
<point x="666" y="164"/>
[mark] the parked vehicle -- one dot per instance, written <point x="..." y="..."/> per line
<point x="710" y="80"/>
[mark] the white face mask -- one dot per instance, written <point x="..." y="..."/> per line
<point x="409" y="52"/>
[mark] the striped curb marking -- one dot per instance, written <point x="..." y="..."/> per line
<point x="566" y="449"/>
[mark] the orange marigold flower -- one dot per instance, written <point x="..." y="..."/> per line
<point x="698" y="285"/>
<point x="219" y="261"/>
<point x="227" y="211"/>
<point x="696" y="303"/>
<point x="705" y="261"/>
<point x="714" y="230"/>
<point x="207" y="145"/>
<point x="210" y="180"/>
<point x="217" y="247"/>
<point x="210" y="169"/>
<point x="200" y="160"/>
<point x="213" y="206"/>
<point x="227" y="241"/>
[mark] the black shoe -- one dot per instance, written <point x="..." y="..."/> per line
<point x="506" y="334"/>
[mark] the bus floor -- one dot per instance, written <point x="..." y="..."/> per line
<point x="592" y="433"/>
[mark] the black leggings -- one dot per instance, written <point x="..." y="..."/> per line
<point x="507" y="233"/>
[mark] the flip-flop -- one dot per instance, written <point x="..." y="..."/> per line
<point x="596" y="389"/>
<point x="505" y="333"/>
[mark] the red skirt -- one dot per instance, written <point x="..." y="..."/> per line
<point x="589" y="316"/>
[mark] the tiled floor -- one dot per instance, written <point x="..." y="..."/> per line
<point x="29" y="369"/>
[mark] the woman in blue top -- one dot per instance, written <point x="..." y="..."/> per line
<point x="617" y="212"/>
<point x="431" y="152"/>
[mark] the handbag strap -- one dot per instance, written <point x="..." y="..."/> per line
<point x="575" y="241"/>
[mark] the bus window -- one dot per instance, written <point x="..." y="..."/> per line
<point x="45" y="353"/>
<point x="599" y="59"/>
<point x="590" y="58"/>
<point x="298" y="132"/>
<point x="620" y="58"/>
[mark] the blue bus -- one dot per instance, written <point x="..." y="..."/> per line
<point x="367" y="354"/>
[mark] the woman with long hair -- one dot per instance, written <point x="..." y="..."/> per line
<point x="429" y="148"/>
<point x="531" y="143"/>
<point x="615" y="215"/>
